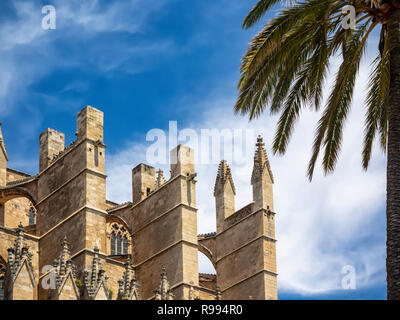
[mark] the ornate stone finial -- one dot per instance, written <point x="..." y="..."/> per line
<point x="20" y="232"/>
<point x="164" y="292"/>
<point x="19" y="254"/>
<point x="160" y="178"/>
<point x="128" y="287"/>
<point x="164" y="286"/>
<point x="260" y="156"/>
<point x="65" y="256"/>
<point x="218" y="294"/>
<point x="224" y="175"/>
<point x="64" y="268"/>
<point x="95" y="277"/>
<point x="260" y="143"/>
<point x="261" y="161"/>
<point x="19" y="244"/>
<point x="20" y="228"/>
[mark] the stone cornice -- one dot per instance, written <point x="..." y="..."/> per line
<point x="165" y="249"/>
<point x="246" y="244"/>
<point x="165" y="213"/>
<point x="253" y="275"/>
<point x="70" y="180"/>
<point x="246" y="217"/>
<point x="14" y="233"/>
<point x="88" y="209"/>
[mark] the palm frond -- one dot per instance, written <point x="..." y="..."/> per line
<point x="259" y="10"/>
<point x="377" y="103"/>
<point x="330" y="126"/>
<point x="291" y="51"/>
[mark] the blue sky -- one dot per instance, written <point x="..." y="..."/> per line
<point x="145" y="63"/>
<point x="148" y="68"/>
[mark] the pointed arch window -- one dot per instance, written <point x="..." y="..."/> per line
<point x="32" y="216"/>
<point x="113" y="243"/>
<point x="125" y="245"/>
<point x="119" y="240"/>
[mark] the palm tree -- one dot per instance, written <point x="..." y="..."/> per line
<point x="285" y="67"/>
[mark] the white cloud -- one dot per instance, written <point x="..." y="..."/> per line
<point x="104" y="16"/>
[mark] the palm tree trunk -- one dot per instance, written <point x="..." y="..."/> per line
<point x="393" y="164"/>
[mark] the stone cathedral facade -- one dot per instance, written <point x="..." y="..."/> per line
<point x="60" y="238"/>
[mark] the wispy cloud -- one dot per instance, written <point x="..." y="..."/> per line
<point x="28" y="53"/>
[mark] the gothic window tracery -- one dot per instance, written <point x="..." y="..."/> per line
<point x="113" y="243"/>
<point x="125" y="245"/>
<point x="32" y="216"/>
<point x="119" y="239"/>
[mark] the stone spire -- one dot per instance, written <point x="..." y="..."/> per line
<point x="95" y="278"/>
<point x="18" y="254"/>
<point x="160" y="178"/>
<point x="64" y="264"/>
<point x="128" y="286"/>
<point x="224" y="176"/>
<point x="261" y="162"/>
<point x="224" y="193"/>
<point x="65" y="257"/>
<point x="164" y="292"/>
<point x="64" y="268"/>
<point x="262" y="179"/>
<point x="2" y="144"/>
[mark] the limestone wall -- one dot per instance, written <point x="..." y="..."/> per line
<point x="164" y="230"/>
<point x="24" y="288"/>
<point x="16" y="211"/>
<point x="68" y="290"/>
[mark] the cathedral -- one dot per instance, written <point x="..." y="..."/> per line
<point x="61" y="239"/>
